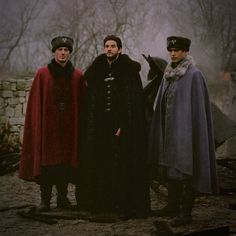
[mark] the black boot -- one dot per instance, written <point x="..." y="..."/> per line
<point x="46" y="192"/>
<point x="185" y="215"/>
<point x="173" y="200"/>
<point x="62" y="200"/>
<point x="183" y="218"/>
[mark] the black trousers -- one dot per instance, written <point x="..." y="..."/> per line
<point x="58" y="175"/>
<point x="181" y="194"/>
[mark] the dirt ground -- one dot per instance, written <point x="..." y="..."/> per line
<point x="209" y="212"/>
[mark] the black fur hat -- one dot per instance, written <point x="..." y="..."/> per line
<point x="62" y="41"/>
<point x="178" y="42"/>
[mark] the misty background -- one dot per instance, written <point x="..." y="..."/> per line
<point x="27" y="27"/>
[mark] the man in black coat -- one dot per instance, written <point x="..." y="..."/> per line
<point x="113" y="173"/>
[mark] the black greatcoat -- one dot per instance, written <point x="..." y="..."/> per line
<point x="113" y="172"/>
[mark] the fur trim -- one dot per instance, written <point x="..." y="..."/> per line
<point x="123" y="61"/>
<point x="180" y="70"/>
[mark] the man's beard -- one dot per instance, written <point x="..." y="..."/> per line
<point x="111" y="58"/>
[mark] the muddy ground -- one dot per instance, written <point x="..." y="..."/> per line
<point x="209" y="212"/>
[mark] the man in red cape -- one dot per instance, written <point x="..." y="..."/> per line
<point x="51" y="132"/>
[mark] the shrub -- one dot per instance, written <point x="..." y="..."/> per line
<point x="9" y="142"/>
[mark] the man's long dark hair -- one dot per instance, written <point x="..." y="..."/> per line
<point x="114" y="38"/>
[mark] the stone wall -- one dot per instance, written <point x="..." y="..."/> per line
<point x="13" y="102"/>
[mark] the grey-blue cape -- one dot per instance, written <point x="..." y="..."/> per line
<point x="182" y="140"/>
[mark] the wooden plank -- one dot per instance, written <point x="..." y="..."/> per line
<point x="216" y="231"/>
<point x="36" y="217"/>
<point x="15" y="207"/>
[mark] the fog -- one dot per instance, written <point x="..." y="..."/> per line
<point x="27" y="27"/>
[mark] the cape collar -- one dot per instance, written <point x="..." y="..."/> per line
<point x="58" y="71"/>
<point x="177" y="72"/>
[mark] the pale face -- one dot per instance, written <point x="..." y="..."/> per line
<point x="176" y="54"/>
<point x="111" y="50"/>
<point x="62" y="55"/>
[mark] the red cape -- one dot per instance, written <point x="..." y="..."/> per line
<point x="51" y="137"/>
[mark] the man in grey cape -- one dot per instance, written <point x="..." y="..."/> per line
<point x="181" y="142"/>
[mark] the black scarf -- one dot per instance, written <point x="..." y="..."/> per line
<point x="59" y="71"/>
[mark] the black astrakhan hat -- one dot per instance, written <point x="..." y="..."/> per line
<point x="62" y="41"/>
<point x="178" y="42"/>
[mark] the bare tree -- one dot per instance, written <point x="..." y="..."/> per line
<point x="88" y="22"/>
<point x="217" y="23"/>
<point x="14" y="27"/>
<point x="212" y="25"/>
<point x="141" y="24"/>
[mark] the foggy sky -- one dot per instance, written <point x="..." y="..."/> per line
<point x="146" y="24"/>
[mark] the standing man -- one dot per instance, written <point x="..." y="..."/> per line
<point x="51" y="133"/>
<point x="113" y="179"/>
<point x="181" y="143"/>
